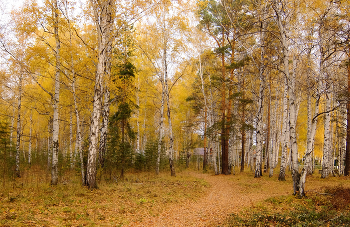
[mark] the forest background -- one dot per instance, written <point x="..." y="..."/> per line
<point x="105" y="87"/>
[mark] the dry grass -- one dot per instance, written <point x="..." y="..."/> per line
<point x="29" y="201"/>
<point x="327" y="203"/>
<point x="144" y="199"/>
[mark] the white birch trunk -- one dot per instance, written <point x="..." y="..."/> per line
<point x="342" y="148"/>
<point x="285" y="139"/>
<point x="71" y="153"/>
<point x="327" y="145"/>
<point x="214" y="156"/>
<point x="161" y="127"/>
<point x="285" y="129"/>
<point x="12" y="125"/>
<point x="206" y="110"/>
<point x="104" y="128"/>
<point x="292" y="129"/>
<point x="260" y="112"/>
<point x="138" y="141"/>
<point x="55" y="100"/>
<point x="274" y="132"/>
<point x="18" y="127"/>
<point x="78" y="140"/>
<point x="23" y="142"/>
<point x="167" y="96"/>
<point x="171" y="137"/>
<point x="103" y="16"/>
<point x="211" y="118"/>
<point x="30" y="140"/>
<point x="144" y="138"/>
<point x="49" y="143"/>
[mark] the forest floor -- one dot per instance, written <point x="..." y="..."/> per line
<point x="144" y="199"/>
<point x="227" y="194"/>
<point x="230" y="195"/>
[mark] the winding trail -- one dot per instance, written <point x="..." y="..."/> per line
<point x="226" y="195"/>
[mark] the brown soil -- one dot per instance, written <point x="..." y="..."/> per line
<point x="226" y="195"/>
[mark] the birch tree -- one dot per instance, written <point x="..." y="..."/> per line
<point x="278" y="9"/>
<point x="18" y="127"/>
<point x="55" y="98"/>
<point x="103" y="17"/>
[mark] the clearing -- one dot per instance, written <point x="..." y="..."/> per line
<point x="227" y="195"/>
<point x="142" y="199"/>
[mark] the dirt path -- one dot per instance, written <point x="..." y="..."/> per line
<point x="227" y="194"/>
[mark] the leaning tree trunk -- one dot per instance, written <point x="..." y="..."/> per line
<point x="103" y="15"/>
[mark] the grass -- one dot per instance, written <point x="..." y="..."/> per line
<point x="327" y="204"/>
<point x="31" y="200"/>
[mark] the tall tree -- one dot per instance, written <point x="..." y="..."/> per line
<point x="103" y="17"/>
<point x="56" y="96"/>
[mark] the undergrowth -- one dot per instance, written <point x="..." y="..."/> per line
<point x="34" y="202"/>
<point x="329" y="207"/>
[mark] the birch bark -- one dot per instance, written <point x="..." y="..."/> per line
<point x="103" y="17"/>
<point x="161" y="127"/>
<point x="55" y="122"/>
<point x="71" y="140"/>
<point x="104" y="128"/>
<point x="327" y="144"/>
<point x="30" y="140"/>
<point x="171" y="138"/>
<point x="18" y="127"/>
<point x="138" y="117"/>
<point x="285" y="129"/>
<point x="49" y="143"/>
<point x="11" y="130"/>
<point x="292" y="129"/>
<point x="259" y="117"/>
<point x="205" y="114"/>
<point x="285" y="133"/>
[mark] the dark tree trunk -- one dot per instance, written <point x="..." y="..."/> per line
<point x="224" y="141"/>
<point x="347" y="154"/>
<point x="267" y="153"/>
<point x="243" y="130"/>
